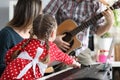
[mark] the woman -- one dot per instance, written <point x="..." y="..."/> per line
<point x="19" y="27"/>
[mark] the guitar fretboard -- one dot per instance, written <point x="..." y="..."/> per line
<point x="87" y="23"/>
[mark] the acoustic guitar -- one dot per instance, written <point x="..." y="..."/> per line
<point x="70" y="28"/>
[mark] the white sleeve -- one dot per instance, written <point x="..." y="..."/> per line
<point x="84" y="42"/>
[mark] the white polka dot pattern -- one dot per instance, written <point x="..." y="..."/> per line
<point x="14" y="67"/>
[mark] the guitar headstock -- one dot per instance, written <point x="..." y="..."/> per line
<point x="116" y="5"/>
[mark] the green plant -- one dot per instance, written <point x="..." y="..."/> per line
<point x="106" y="35"/>
<point x="116" y="17"/>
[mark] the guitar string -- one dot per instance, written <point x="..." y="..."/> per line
<point x="82" y="26"/>
<point x="91" y="21"/>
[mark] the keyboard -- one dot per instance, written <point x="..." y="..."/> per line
<point x="85" y="73"/>
<point x="103" y="67"/>
<point x="94" y="72"/>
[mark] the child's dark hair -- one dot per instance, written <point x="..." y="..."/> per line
<point x="43" y="25"/>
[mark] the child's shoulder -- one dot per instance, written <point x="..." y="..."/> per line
<point x="52" y="44"/>
<point x="34" y="40"/>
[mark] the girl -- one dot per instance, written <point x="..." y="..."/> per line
<point x="36" y="54"/>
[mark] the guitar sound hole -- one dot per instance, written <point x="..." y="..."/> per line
<point x="68" y="38"/>
<point x="71" y="43"/>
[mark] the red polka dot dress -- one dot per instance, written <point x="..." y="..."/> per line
<point x="27" y="60"/>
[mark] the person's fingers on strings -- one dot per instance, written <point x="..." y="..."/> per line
<point x="108" y="16"/>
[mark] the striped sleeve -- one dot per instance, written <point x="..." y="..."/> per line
<point x="53" y="6"/>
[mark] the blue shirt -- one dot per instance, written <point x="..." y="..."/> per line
<point x="8" y="39"/>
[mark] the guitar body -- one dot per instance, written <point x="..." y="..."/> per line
<point x="67" y="26"/>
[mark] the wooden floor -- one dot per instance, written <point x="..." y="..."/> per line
<point x="117" y="51"/>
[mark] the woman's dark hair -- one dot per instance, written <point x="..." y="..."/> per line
<point x="25" y="12"/>
<point x="43" y="25"/>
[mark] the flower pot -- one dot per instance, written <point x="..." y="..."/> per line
<point x="104" y="44"/>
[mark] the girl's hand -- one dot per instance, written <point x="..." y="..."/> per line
<point x="76" y="64"/>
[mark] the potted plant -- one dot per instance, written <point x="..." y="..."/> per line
<point x="106" y="35"/>
<point x="104" y="45"/>
<point x="104" y="42"/>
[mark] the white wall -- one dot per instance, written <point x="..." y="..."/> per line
<point x="4" y="3"/>
<point x="44" y="3"/>
<point x="4" y="12"/>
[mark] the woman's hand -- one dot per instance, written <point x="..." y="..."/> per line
<point x="62" y="44"/>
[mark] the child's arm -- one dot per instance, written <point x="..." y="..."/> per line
<point x="64" y="57"/>
<point x="75" y="64"/>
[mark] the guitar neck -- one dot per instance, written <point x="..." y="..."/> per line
<point x="87" y="23"/>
